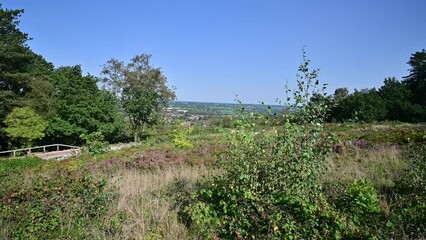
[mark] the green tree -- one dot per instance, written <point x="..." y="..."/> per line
<point x="340" y="94"/>
<point x="25" y="126"/>
<point x="18" y="64"/>
<point x="365" y="105"/>
<point x="14" y="53"/>
<point x="416" y="81"/>
<point x="81" y="108"/>
<point x="19" y="68"/>
<point x="397" y="98"/>
<point x="141" y="88"/>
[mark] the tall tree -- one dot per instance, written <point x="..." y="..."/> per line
<point x="19" y="67"/>
<point x="416" y="81"/>
<point x="81" y="108"/>
<point x="141" y="88"/>
<point x="15" y="55"/>
<point x="397" y="98"/>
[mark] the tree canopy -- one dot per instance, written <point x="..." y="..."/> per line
<point x="81" y="108"/>
<point x="416" y="81"/>
<point x="141" y="88"/>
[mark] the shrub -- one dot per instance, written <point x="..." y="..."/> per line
<point x="410" y="213"/>
<point x="8" y="166"/>
<point x="180" y="134"/>
<point x="65" y="205"/>
<point x="269" y="188"/>
<point x="361" y="206"/>
<point x="417" y="156"/>
<point x="95" y="143"/>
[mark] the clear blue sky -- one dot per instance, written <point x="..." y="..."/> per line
<point x="212" y="50"/>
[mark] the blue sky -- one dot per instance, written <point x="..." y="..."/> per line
<point x="212" y="50"/>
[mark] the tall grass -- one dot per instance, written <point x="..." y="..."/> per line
<point x="146" y="197"/>
<point x="382" y="165"/>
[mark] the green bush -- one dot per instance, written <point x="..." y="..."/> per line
<point x="417" y="156"/>
<point x="361" y="206"/>
<point x="95" y="143"/>
<point x="180" y="135"/>
<point x="412" y="213"/>
<point x="18" y="164"/>
<point x="270" y="185"/>
<point x="65" y="205"/>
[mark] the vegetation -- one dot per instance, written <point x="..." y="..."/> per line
<point x="395" y="100"/>
<point x="270" y="174"/>
<point x="141" y="89"/>
<point x="24" y="126"/>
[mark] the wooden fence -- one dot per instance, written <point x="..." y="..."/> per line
<point x="38" y="149"/>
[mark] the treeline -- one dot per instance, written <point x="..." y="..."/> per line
<point x="396" y="100"/>
<point x="41" y="104"/>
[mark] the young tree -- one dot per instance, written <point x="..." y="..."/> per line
<point x="25" y="126"/>
<point x="141" y="89"/>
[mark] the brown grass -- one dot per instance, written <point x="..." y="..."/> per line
<point x="145" y="199"/>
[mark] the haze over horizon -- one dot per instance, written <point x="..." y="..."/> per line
<point x="213" y="50"/>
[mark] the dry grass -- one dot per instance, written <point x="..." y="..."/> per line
<point x="145" y="198"/>
<point x="383" y="166"/>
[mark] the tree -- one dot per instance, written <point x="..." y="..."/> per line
<point x="19" y="68"/>
<point x="81" y="108"/>
<point x="397" y="98"/>
<point x="25" y="126"/>
<point x="340" y="94"/>
<point x="17" y="61"/>
<point x="365" y="105"/>
<point x="416" y="81"/>
<point x="141" y="89"/>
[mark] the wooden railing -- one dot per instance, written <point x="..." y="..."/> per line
<point x="45" y="148"/>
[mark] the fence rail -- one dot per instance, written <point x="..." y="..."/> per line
<point x="45" y="149"/>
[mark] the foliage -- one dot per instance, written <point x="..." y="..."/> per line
<point x="17" y="165"/>
<point x="361" y="205"/>
<point x="64" y="205"/>
<point x="25" y="126"/>
<point x="417" y="155"/>
<point x="362" y="198"/>
<point x="40" y="98"/>
<point x="411" y="212"/>
<point x="365" y="105"/>
<point x="180" y="135"/>
<point x="270" y="186"/>
<point x="19" y="67"/>
<point x="398" y="102"/>
<point x="15" y="56"/>
<point x="81" y="108"/>
<point x="416" y="81"/>
<point x="141" y="89"/>
<point x="95" y="142"/>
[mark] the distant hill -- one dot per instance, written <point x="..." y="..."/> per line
<point x="220" y="109"/>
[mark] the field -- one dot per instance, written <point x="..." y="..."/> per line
<point x="144" y="192"/>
